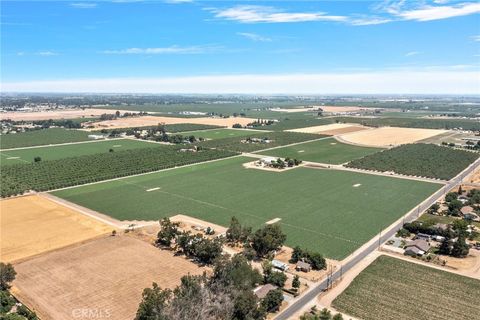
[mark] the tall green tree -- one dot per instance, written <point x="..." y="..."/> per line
<point x="168" y="232"/>
<point x="273" y="300"/>
<point x="268" y="239"/>
<point x="7" y="275"/>
<point x="154" y="304"/>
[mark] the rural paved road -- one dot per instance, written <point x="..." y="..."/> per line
<point x="301" y="301"/>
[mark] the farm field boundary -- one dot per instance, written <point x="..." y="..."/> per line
<point x="270" y="196"/>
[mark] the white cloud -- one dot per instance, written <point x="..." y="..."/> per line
<point x="369" y="21"/>
<point x="433" y="81"/>
<point x="476" y="38"/>
<point x="21" y="53"/>
<point x="412" y="53"/>
<point x="254" y="37"/>
<point x="429" y="13"/>
<point x="165" y="50"/>
<point x="266" y="14"/>
<point x="46" y="53"/>
<point x="83" y="5"/>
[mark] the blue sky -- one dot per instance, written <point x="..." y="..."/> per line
<point x="52" y="42"/>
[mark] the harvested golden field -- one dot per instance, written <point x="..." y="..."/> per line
<point x="153" y="121"/>
<point x="400" y="290"/>
<point x="389" y="136"/>
<point x="56" y="114"/>
<point x="33" y="225"/>
<point x="331" y="129"/>
<point x="104" y="277"/>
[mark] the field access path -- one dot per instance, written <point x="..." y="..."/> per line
<point x="356" y="257"/>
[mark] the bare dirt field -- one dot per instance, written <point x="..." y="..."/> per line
<point x="331" y="129"/>
<point x="104" y="277"/>
<point x="57" y="114"/>
<point x="153" y="121"/>
<point x="475" y="177"/>
<point x="33" y="225"/>
<point x="389" y="136"/>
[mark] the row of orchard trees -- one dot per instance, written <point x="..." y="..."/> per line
<point x="425" y="160"/>
<point x="53" y="174"/>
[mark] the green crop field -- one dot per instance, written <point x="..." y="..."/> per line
<point x="220" y="133"/>
<point x="73" y="150"/>
<point x="325" y="210"/>
<point x="400" y="290"/>
<point x="41" y="137"/>
<point x="328" y="150"/>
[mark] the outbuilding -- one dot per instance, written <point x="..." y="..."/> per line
<point x="303" y="266"/>
<point x="279" y="265"/>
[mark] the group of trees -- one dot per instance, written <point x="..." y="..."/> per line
<point x="64" y="123"/>
<point x="425" y="160"/>
<point x="261" y="243"/>
<point x="204" y="250"/>
<point x="315" y="259"/>
<point x="118" y="114"/>
<point x="53" y="174"/>
<point x="454" y="243"/>
<point x="273" y="277"/>
<point x="7" y="301"/>
<point x="226" y="294"/>
<point x="288" y="162"/>
<point x="260" y="123"/>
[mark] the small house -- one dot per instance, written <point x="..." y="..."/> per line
<point x="466" y="210"/>
<point x="262" y="291"/>
<point x="417" y="247"/>
<point x="303" y="266"/>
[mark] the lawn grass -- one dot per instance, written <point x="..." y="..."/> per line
<point x="42" y="137"/>
<point x="400" y="290"/>
<point x="219" y="133"/>
<point x="325" y="151"/>
<point x="66" y="151"/>
<point x="319" y="209"/>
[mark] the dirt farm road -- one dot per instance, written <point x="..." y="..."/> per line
<point x="372" y="245"/>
